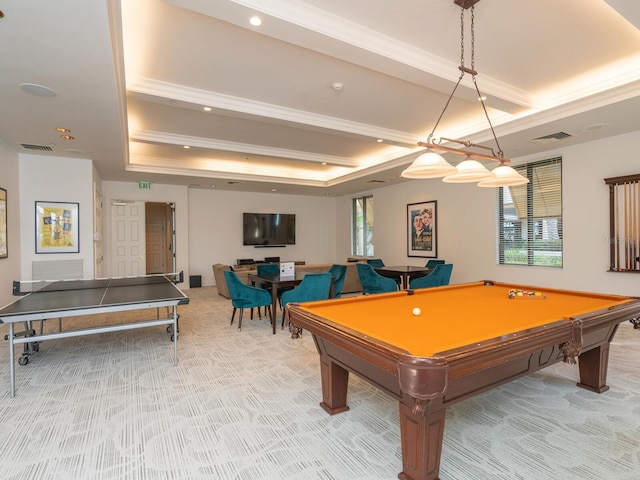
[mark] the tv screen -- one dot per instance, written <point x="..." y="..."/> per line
<point x="268" y="229"/>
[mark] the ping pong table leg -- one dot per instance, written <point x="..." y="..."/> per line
<point x="175" y="335"/>
<point x="12" y="362"/>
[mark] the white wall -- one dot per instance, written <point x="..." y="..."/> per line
<point x="55" y="179"/>
<point x="467" y="222"/>
<point x="215" y="223"/>
<point x="10" y="181"/>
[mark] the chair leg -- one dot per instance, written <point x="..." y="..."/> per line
<point x="285" y="316"/>
<point x="240" y="319"/>
<point x="233" y="315"/>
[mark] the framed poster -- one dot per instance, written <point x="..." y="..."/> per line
<point x="422" y="229"/>
<point x="4" y="252"/>
<point x="57" y="227"/>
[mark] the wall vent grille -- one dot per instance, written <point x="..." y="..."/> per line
<point x="551" y="138"/>
<point x="39" y="148"/>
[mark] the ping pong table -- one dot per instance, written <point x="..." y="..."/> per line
<point x="72" y="298"/>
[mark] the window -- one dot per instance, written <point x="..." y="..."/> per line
<point x="530" y="217"/>
<point x="362" y="226"/>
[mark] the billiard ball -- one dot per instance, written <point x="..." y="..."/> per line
<point x="416" y="311"/>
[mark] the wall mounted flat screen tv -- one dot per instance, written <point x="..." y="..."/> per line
<point x="268" y="229"/>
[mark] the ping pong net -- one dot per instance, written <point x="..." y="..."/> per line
<point x="25" y="287"/>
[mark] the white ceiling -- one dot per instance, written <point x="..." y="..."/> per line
<point x="131" y="79"/>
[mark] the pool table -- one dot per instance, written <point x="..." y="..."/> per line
<point x="466" y="339"/>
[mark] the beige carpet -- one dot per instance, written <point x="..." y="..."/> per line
<point x="244" y="406"/>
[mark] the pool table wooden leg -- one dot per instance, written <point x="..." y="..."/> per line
<point x="335" y="381"/>
<point x="421" y="438"/>
<point x="593" y="368"/>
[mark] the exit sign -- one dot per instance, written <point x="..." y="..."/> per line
<point x="146" y="185"/>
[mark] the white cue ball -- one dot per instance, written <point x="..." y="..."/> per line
<point x="416" y="311"/>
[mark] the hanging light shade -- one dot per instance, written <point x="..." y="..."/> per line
<point x="469" y="170"/>
<point x="428" y="165"/>
<point x="504" y="176"/>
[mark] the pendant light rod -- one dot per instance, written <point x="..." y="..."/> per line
<point x="436" y="146"/>
<point x="431" y="142"/>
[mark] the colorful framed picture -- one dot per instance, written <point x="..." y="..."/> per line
<point x="422" y="240"/>
<point x="57" y="227"/>
<point x="4" y="251"/>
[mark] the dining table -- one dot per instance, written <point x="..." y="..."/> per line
<point x="276" y="282"/>
<point x="403" y="272"/>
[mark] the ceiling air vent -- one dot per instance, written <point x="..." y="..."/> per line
<point x="39" y="148"/>
<point x="554" y="137"/>
<point x="376" y="181"/>
<point x="232" y="182"/>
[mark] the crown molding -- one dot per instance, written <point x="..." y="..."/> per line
<point x="246" y="148"/>
<point x="231" y="103"/>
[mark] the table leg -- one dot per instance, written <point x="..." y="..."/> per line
<point x="335" y="381"/>
<point x="593" y="366"/>
<point x="421" y="437"/>
<point x="175" y="335"/>
<point x="274" y="305"/>
<point x="12" y="362"/>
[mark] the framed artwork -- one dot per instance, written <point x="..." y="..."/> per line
<point x="422" y="229"/>
<point x="57" y="227"/>
<point x="4" y="252"/>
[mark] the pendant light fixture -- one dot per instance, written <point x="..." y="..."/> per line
<point x="432" y="165"/>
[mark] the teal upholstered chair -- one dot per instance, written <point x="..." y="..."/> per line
<point x="441" y="275"/>
<point x="314" y="286"/>
<point x="268" y="269"/>
<point x="432" y="263"/>
<point x="245" y="296"/>
<point x="372" y="282"/>
<point x="375" y="262"/>
<point x="339" y="274"/>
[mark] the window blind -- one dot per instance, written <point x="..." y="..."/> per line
<point x="530" y="217"/>
<point x="624" y="223"/>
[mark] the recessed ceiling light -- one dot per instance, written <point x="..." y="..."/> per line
<point x="63" y="130"/>
<point x="379" y="140"/>
<point x="255" y="21"/>
<point x="186" y="146"/>
<point x="37" y="90"/>
<point x="482" y="99"/>
<point x="67" y="137"/>
<point x="274" y="190"/>
<point x="207" y="109"/>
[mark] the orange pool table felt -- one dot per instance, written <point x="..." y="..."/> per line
<point x="456" y="315"/>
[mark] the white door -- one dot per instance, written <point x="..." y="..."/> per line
<point x="127" y="239"/>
